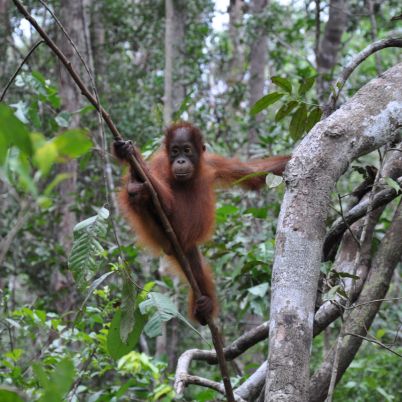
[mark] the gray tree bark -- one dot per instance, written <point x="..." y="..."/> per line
<point x="71" y="16"/>
<point x="235" y="21"/>
<point x="174" y="40"/>
<point x="173" y="96"/>
<point x="367" y="121"/>
<point x="329" y="46"/>
<point x="4" y="35"/>
<point x="98" y="44"/>
<point x="258" y="61"/>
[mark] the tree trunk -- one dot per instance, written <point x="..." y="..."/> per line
<point x="235" y="21"/>
<point x="173" y="97"/>
<point x="4" y="35"/>
<point x="366" y="122"/>
<point x="330" y="44"/>
<point x="258" y="61"/>
<point x="174" y="40"/>
<point x="72" y="17"/>
<point x="98" y="44"/>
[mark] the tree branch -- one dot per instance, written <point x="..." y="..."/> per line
<point x="358" y="321"/>
<point x="374" y="341"/>
<point x="339" y="227"/>
<point x="10" y="81"/>
<point x="352" y="65"/>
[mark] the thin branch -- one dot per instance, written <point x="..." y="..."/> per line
<point x="204" y="382"/>
<point x="216" y="337"/>
<point x="347" y="224"/>
<point x="372" y="301"/>
<point x="374" y="341"/>
<point x="352" y="65"/>
<point x="3" y="94"/>
<point x="363" y="237"/>
<point x="335" y="233"/>
<point x="77" y="382"/>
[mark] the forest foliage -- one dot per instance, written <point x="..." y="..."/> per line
<point x="80" y="316"/>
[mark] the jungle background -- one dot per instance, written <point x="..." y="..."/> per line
<point x="254" y="76"/>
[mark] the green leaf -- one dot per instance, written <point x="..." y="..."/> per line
<point x="21" y="111"/>
<point x="285" y="109"/>
<point x="40" y="375"/>
<point x="330" y="295"/>
<point x="73" y="143"/>
<point x="13" y="131"/>
<point x="4" y="145"/>
<point x="282" y="83"/>
<point x="393" y="184"/>
<point x="313" y="118"/>
<point x="127" y="308"/>
<point x="63" y="119"/>
<point x="115" y="345"/>
<point x="273" y="181"/>
<point x="164" y="310"/>
<point x="55" y="182"/>
<point x="346" y="275"/>
<point x="380" y="333"/>
<point x="306" y="85"/>
<point x="259" y="290"/>
<point x="86" y="247"/>
<point x="161" y="390"/>
<point x="264" y="102"/>
<point x="58" y="383"/>
<point x="86" y="109"/>
<point x="94" y="285"/>
<point x="45" y="156"/>
<point x="9" y="395"/>
<point x="44" y="202"/>
<point x="260" y="213"/>
<point x="22" y="167"/>
<point x="298" y="122"/>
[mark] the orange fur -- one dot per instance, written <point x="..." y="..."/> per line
<point x="190" y="205"/>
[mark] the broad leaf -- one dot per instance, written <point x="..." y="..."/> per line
<point x="86" y="246"/>
<point x="58" y="383"/>
<point x="9" y="395"/>
<point x="298" y="122"/>
<point x="163" y="310"/>
<point x="285" y="109"/>
<point x="313" y="118"/>
<point x="264" y="102"/>
<point x="127" y="308"/>
<point x="282" y="83"/>
<point x="73" y="143"/>
<point x="306" y="85"/>
<point x="259" y="290"/>
<point x="115" y="344"/>
<point x="273" y="181"/>
<point x="13" y="132"/>
<point x="45" y="156"/>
